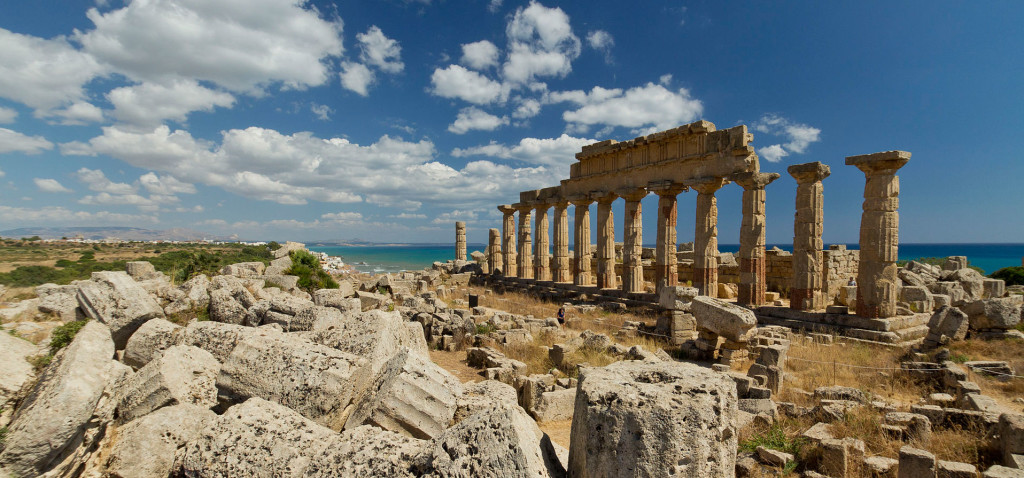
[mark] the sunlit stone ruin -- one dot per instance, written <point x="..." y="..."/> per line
<point x="701" y="159"/>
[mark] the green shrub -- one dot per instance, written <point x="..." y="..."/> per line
<point x="63" y="335"/>
<point x="1012" y="275"/>
<point x="311" y="276"/>
<point x="484" y="328"/>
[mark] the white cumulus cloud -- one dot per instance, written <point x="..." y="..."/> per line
<point x="11" y="141"/>
<point x="380" y="51"/>
<point x="356" y="77"/>
<point x="152" y="103"/>
<point x="479" y="55"/>
<point x="7" y="115"/>
<point x="649" y="107"/>
<point x="773" y="153"/>
<point x="603" y="42"/>
<point x="541" y="43"/>
<point x="43" y="74"/>
<point x="96" y="180"/>
<point x="558" y="152"/>
<point x="48" y="185"/>
<point x="800" y="136"/>
<point x="474" y="118"/>
<point x="457" y="82"/>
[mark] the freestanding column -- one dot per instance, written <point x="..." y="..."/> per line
<point x="752" y="255"/>
<point x="877" y="283"/>
<point x="605" y="242"/>
<point x="666" y="272"/>
<point x="808" y="265"/>
<point x="508" y="240"/>
<point x="582" y="250"/>
<point x="562" y="271"/>
<point x="525" y="243"/>
<point x="494" y="259"/>
<point x="632" y="250"/>
<point x="460" y="241"/>
<point x="542" y="255"/>
<point x="705" y="236"/>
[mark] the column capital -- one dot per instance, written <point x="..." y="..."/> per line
<point x="809" y="172"/>
<point x="631" y="194"/>
<point x="754" y="180"/>
<point x="666" y="188"/>
<point x="707" y="185"/>
<point x="604" y="196"/>
<point x="523" y="208"/>
<point x="886" y="162"/>
<point x="507" y="209"/>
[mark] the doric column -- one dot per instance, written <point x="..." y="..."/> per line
<point x="460" y="241"/>
<point x="705" y="236"/>
<point x="581" y="250"/>
<point x="494" y="259"/>
<point x="666" y="272"/>
<point x="525" y="243"/>
<point x="632" y="249"/>
<point x="808" y="265"/>
<point x="508" y="241"/>
<point x="562" y="272"/>
<point x="877" y="283"/>
<point x="542" y="253"/>
<point x="605" y="242"/>
<point x="752" y="255"/>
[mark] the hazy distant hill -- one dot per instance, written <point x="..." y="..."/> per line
<point x="102" y="232"/>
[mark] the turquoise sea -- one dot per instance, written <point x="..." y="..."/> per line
<point x="377" y="259"/>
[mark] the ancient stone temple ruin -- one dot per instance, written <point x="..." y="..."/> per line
<point x="698" y="158"/>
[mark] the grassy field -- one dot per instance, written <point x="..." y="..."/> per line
<point x="30" y="263"/>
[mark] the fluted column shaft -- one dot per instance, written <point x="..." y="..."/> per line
<point x="705" y="236"/>
<point x="460" y="240"/>
<point x="632" y="250"/>
<point x="562" y="272"/>
<point x="494" y="258"/>
<point x="605" y="243"/>
<point x="666" y="270"/>
<point x="752" y="238"/>
<point x="581" y="250"/>
<point x="877" y="283"/>
<point x="808" y="263"/>
<point x="542" y="254"/>
<point x="508" y="239"/>
<point x="525" y="244"/>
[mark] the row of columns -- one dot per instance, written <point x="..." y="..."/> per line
<point x="519" y="259"/>
<point x="879" y="237"/>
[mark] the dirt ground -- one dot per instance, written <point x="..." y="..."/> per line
<point x="455" y="362"/>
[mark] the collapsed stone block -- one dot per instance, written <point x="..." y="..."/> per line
<point x="411" y="396"/>
<point x="722" y="318"/>
<point x="375" y="336"/>
<point x="480" y="395"/>
<point x="61" y="300"/>
<point x="314" y="380"/>
<point x="182" y="374"/>
<point x="1000" y="313"/>
<point x="1011" y="436"/>
<point x="150" y="340"/>
<point x="992" y="288"/>
<point x="49" y="422"/>
<point x="497" y="440"/>
<point x="952" y="469"/>
<point x="146" y="446"/>
<point x="628" y="416"/>
<point x="217" y="338"/>
<point x="115" y="299"/>
<point x="842" y="458"/>
<point x="916" y="463"/>
<point x="555" y="405"/>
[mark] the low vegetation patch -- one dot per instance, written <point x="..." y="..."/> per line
<point x="311" y="275"/>
<point x="1012" y="275"/>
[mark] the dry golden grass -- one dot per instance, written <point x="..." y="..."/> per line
<point x="1010" y="350"/>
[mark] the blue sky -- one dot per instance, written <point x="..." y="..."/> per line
<point x="389" y="120"/>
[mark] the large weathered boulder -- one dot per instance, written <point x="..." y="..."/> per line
<point x="53" y="417"/>
<point x="145" y="447"/>
<point x="244" y="269"/>
<point x="722" y="318"/>
<point x="496" y="441"/>
<point x="287" y="248"/>
<point x="141" y="270"/>
<point x="411" y="395"/>
<point x="999" y="313"/>
<point x="653" y="419"/>
<point x="304" y="319"/>
<point x="224" y="308"/>
<point x="338" y="298"/>
<point x="946" y="324"/>
<point x="115" y="299"/>
<point x="151" y="340"/>
<point x="181" y="374"/>
<point x="314" y="380"/>
<point x="60" y="300"/>
<point x="15" y="371"/>
<point x="375" y="336"/>
<point x="256" y="438"/>
<point x="370" y="451"/>
<point x="214" y="337"/>
<point x="480" y="395"/>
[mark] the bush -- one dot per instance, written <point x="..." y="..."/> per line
<point x="311" y="276"/>
<point x="1012" y="275"/>
<point x="63" y="335"/>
